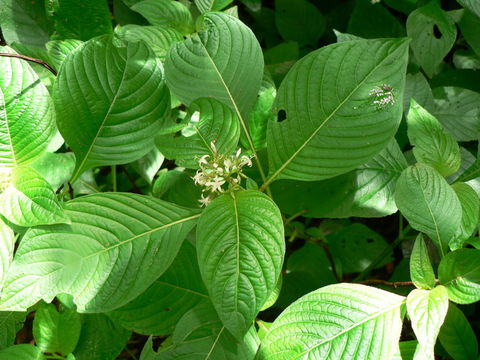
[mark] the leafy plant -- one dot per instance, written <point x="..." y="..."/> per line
<point x="218" y="179"/>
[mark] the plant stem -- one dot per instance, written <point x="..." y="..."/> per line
<point x="294" y="216"/>
<point x="28" y="58"/>
<point x="114" y="178"/>
<point x="383" y="254"/>
<point x="394" y="284"/>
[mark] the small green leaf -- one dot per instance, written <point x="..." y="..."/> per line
<point x="177" y="187"/>
<point x="459" y="272"/>
<point x="201" y="335"/>
<point x="27" y="118"/>
<point x="240" y="247"/>
<point x="29" y="200"/>
<point x="429" y="204"/>
<point x="148" y="165"/>
<point x="211" y="5"/>
<point x="55" y="168"/>
<point x="21" y="352"/>
<point x="59" y="49"/>
<point x="418" y="88"/>
<point x="159" y="38"/>
<point x="470" y="214"/>
<point x="105" y="258"/>
<point x="469" y="24"/>
<point x="421" y="271"/>
<point x="315" y="142"/>
<point x="209" y="121"/>
<point x="118" y="124"/>
<point x="56" y="331"/>
<point x="10" y="323"/>
<point x="101" y="338"/>
<point x="427" y="310"/>
<point x="168" y="13"/>
<point x="430" y="49"/>
<point x="341" y="321"/>
<point x="457" y="335"/>
<point x="159" y="308"/>
<point x="432" y="145"/>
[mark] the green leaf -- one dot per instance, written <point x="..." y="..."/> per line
<point x="240" y="247"/>
<point x="105" y="258"/>
<point x="110" y="118"/>
<point x="178" y="187"/>
<point x="299" y="21"/>
<point x="148" y="165"/>
<point x="454" y="105"/>
<point x="27" y="118"/>
<point x="469" y="25"/>
<point x="201" y="335"/>
<point x="459" y="272"/>
<point x="7" y="244"/>
<point x="421" y="271"/>
<point x="29" y="200"/>
<point x="224" y="61"/>
<point x="429" y="204"/>
<point x="59" y="49"/>
<point x="427" y="310"/>
<point x="336" y="322"/>
<point x="25" y="22"/>
<point x="432" y="145"/>
<point x="471" y="5"/>
<point x="10" y="323"/>
<point x="207" y="120"/>
<point x="430" y="49"/>
<point x="80" y="20"/>
<point x="261" y="113"/>
<point x="367" y="191"/>
<point x="211" y="5"/>
<point x="55" y="331"/>
<point x="356" y="246"/>
<point x="159" y="38"/>
<point x="21" y="352"/>
<point x="457" y="335"/>
<point x="406" y="350"/>
<point x="56" y="169"/>
<point x="101" y="338"/>
<point x="315" y="142"/>
<point x="470" y="214"/>
<point x="168" y="13"/>
<point x="159" y="308"/>
<point x="417" y="87"/>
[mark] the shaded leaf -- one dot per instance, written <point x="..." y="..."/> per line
<point x="421" y="271"/>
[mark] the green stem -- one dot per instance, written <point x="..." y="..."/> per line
<point x="114" y="178"/>
<point x="383" y="254"/>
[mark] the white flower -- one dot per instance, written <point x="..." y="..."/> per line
<point x="204" y="201"/>
<point x="246" y="161"/>
<point x="203" y="160"/>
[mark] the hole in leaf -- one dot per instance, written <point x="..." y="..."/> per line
<point x="436" y="32"/>
<point x="281" y="116"/>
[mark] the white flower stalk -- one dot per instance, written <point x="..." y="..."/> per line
<point x="219" y="173"/>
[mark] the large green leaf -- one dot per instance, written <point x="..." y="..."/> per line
<point x="27" y="119"/>
<point x="21" y="352"/>
<point x="421" y="271"/>
<point x="470" y="214"/>
<point x="454" y="106"/>
<point x="158" y="309"/>
<point x="80" y="20"/>
<point x="56" y="331"/>
<point x="101" y="338"/>
<point x="207" y="121"/>
<point x="457" y="335"/>
<point x="341" y="321"/>
<point x="240" y="246"/>
<point x="342" y="107"/>
<point x="117" y="245"/>
<point x="200" y="335"/>
<point x="7" y="243"/>
<point x="211" y="5"/>
<point x="224" y="61"/>
<point x="427" y="310"/>
<point x="432" y="146"/>
<point x="159" y="38"/>
<point x="429" y="204"/>
<point x="10" y="323"/>
<point x="459" y="272"/>
<point x="29" y="200"/>
<point x="168" y="13"/>
<point x="428" y="48"/>
<point x="367" y="191"/>
<point x="109" y="111"/>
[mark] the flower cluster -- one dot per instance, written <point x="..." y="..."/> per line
<point x="5" y="178"/>
<point x="383" y="95"/>
<point x="219" y="173"/>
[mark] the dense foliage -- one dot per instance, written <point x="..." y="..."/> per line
<point x="219" y="179"/>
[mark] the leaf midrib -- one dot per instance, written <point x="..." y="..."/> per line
<point x="327" y="119"/>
